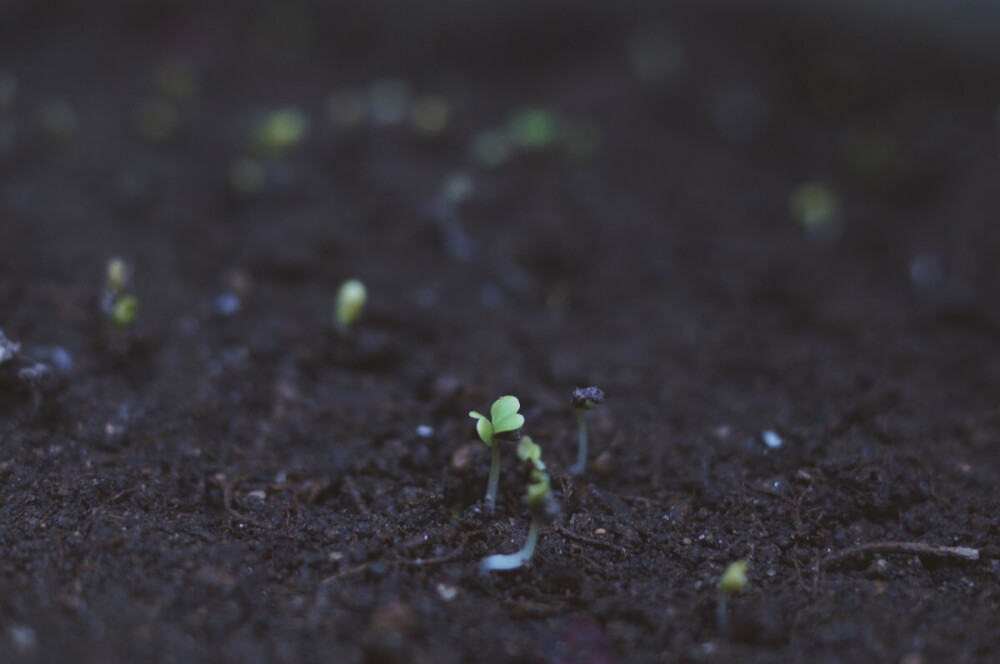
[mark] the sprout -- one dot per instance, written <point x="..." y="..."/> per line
<point x="124" y="310"/>
<point x="732" y="581"/>
<point x="535" y="129"/>
<point x="539" y="500"/>
<point x="118" y="303"/>
<point x="584" y="399"/>
<point x="528" y="450"/>
<point x="117" y="274"/>
<point x="350" y="303"/>
<point x="504" y="423"/>
<point x="817" y="207"/>
<point x="280" y="130"/>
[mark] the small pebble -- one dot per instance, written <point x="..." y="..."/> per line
<point x="227" y="304"/>
<point x="771" y="439"/>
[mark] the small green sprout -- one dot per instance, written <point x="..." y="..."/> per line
<point x="732" y="581"/>
<point x="816" y="205"/>
<point x="280" y="130"/>
<point x="535" y="129"/>
<point x="118" y="303"/>
<point x="350" y="303"/>
<point x="504" y="423"/>
<point x="528" y="450"/>
<point x="584" y="399"/>
<point x="540" y="503"/>
<point x="124" y="310"/>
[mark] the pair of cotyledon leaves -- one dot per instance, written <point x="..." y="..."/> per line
<point x="504" y="420"/>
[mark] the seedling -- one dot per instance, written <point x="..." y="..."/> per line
<point x="280" y="130"/>
<point x="539" y="500"/>
<point x="732" y="581"/>
<point x="349" y="304"/>
<point x="117" y="301"/>
<point x="584" y="399"/>
<point x="504" y="423"/>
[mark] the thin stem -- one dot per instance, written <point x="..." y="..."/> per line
<point x="509" y="561"/>
<point x="494" y="481"/>
<point x="581" y="452"/>
<point x="722" y="616"/>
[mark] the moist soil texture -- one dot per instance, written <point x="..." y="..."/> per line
<point x="774" y="245"/>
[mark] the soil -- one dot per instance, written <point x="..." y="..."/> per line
<point x="232" y="479"/>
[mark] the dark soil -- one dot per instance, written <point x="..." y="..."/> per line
<point x="231" y="480"/>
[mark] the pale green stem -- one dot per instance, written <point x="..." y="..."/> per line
<point x="581" y="452"/>
<point x="721" y="615"/>
<point x="494" y="481"/>
<point x="507" y="561"/>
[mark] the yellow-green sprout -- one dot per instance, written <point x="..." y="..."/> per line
<point x="528" y="450"/>
<point x="504" y="423"/>
<point x="280" y="130"/>
<point x="732" y="582"/>
<point x="816" y="206"/>
<point x="349" y="304"/>
<point x="124" y="310"/>
<point x="116" y="275"/>
<point x="535" y="129"/>
<point x="117" y="301"/>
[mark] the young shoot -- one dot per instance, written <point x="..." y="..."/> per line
<point x="584" y="399"/>
<point x="539" y="500"/>
<point x="732" y="581"/>
<point x="504" y="423"/>
<point x="349" y="304"/>
<point x="118" y="303"/>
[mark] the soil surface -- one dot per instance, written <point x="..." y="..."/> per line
<point x="775" y="248"/>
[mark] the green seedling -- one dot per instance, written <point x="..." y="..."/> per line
<point x="535" y="129"/>
<point x="528" y="450"/>
<point x="504" y="423"/>
<point x="732" y="581"/>
<point x="816" y="206"/>
<point x="584" y="399"/>
<point x="280" y="130"/>
<point x="118" y="303"/>
<point x="540" y="503"/>
<point x="349" y="304"/>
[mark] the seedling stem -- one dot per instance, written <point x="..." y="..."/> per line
<point x="584" y="399"/>
<point x="581" y="453"/>
<point x="501" y="561"/>
<point x="504" y="423"/>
